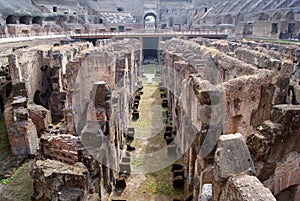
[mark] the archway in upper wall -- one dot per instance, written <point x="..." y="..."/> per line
<point x="11" y="19"/>
<point x="149" y="20"/>
<point x="37" y="20"/>
<point x="290" y="16"/>
<point x="263" y="17"/>
<point x="240" y="18"/>
<point x="25" y="20"/>
<point x="228" y="19"/>
<point x="277" y="16"/>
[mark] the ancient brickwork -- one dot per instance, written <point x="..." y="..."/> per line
<point x="253" y="77"/>
<point x="54" y="180"/>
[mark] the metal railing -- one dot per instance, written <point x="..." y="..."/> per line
<point x="45" y="35"/>
<point x="152" y="33"/>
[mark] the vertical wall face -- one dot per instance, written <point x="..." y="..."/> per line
<point x="253" y="77"/>
<point x="191" y="79"/>
<point x="91" y="88"/>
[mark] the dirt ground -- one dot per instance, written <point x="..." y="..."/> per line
<point x="149" y="186"/>
<point x="15" y="182"/>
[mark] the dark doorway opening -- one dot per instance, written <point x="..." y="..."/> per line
<point x="274" y="28"/>
<point x="1" y="106"/>
<point x="150" y="47"/>
<point x="248" y="29"/>
<point x="121" y="28"/>
<point x="11" y="19"/>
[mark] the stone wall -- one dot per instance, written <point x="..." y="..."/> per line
<point x="240" y="81"/>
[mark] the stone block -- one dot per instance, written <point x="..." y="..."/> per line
<point x="54" y="180"/>
<point x="287" y="115"/>
<point x="21" y="114"/>
<point x="206" y="194"/>
<point x="232" y="157"/>
<point x="19" y="101"/>
<point x="171" y="150"/>
<point x="40" y="116"/>
<point x="245" y="188"/>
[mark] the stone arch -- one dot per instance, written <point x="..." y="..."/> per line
<point x="37" y="20"/>
<point x="72" y="19"/>
<point x="240" y="17"/>
<point x="277" y="16"/>
<point x="149" y="15"/>
<point x="60" y="20"/>
<point x="228" y="19"/>
<point x="219" y="20"/>
<point x="290" y="16"/>
<point x="263" y="17"/>
<point x="11" y="19"/>
<point x="25" y="20"/>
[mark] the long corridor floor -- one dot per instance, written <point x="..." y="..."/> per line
<point x="151" y="176"/>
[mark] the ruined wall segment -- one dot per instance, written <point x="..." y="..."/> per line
<point x="254" y="76"/>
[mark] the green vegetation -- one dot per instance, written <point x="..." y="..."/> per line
<point x="159" y="183"/>
<point x="19" y="185"/>
<point x="138" y="162"/>
<point x="149" y="69"/>
<point x="149" y="130"/>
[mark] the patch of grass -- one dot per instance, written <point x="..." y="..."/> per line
<point x="19" y="185"/>
<point x="138" y="162"/>
<point x="4" y="181"/>
<point x="159" y="183"/>
<point x="149" y="69"/>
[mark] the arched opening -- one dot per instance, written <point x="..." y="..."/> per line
<point x="11" y="19"/>
<point x="287" y="194"/>
<point x="60" y="21"/>
<point x="290" y="16"/>
<point x="219" y="20"/>
<point x="120" y="9"/>
<point x="100" y="21"/>
<point x="240" y="18"/>
<point x="150" y="21"/>
<point x="228" y="20"/>
<point x="71" y="19"/>
<point x="37" y="20"/>
<point x="263" y="17"/>
<point x="277" y="16"/>
<point x="25" y="20"/>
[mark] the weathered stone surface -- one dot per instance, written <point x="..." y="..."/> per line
<point x="232" y="157"/>
<point x="206" y="194"/>
<point x="40" y="116"/>
<point x="245" y="188"/>
<point x="285" y="174"/>
<point x="54" y="180"/>
<point x="65" y="148"/>
<point x="287" y="115"/>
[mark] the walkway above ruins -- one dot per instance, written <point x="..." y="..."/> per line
<point x="105" y="35"/>
<point x="141" y="33"/>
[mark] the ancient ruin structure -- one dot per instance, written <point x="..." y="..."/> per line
<point x="229" y="108"/>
